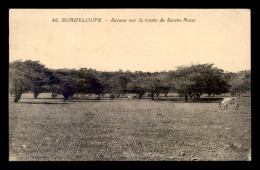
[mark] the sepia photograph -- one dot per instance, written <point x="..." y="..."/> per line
<point x="129" y="85"/>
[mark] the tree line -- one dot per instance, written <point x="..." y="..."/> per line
<point x="188" y="81"/>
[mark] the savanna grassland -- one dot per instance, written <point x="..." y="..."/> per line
<point x="46" y="129"/>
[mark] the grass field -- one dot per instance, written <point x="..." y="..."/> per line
<point x="47" y="129"/>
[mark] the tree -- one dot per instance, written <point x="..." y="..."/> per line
<point x="67" y="82"/>
<point x="137" y="85"/>
<point x="162" y="84"/>
<point x="183" y="87"/>
<point x="68" y="87"/>
<point x="11" y="87"/>
<point x="153" y="85"/>
<point x="37" y="76"/>
<point x="53" y="82"/>
<point x="19" y="80"/>
<point x="117" y="85"/>
<point x="192" y="81"/>
<point x="240" y="82"/>
<point x="150" y="85"/>
<point x="103" y="78"/>
<point x="88" y="83"/>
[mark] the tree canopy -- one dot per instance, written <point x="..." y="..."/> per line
<point x="193" y="81"/>
<point x="188" y="81"/>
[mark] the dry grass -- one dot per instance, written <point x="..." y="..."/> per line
<point x="50" y="129"/>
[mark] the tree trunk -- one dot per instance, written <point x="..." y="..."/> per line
<point x="165" y="94"/>
<point x="186" y="98"/>
<point x="17" y="97"/>
<point x="35" y="95"/>
<point x="152" y="96"/>
<point x="17" y="94"/>
<point x="140" y="95"/>
<point x="198" y="96"/>
<point x="65" y="97"/>
<point x="112" y="97"/>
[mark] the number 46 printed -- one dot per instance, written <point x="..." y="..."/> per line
<point x="55" y="20"/>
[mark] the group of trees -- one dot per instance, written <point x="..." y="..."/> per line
<point x="193" y="81"/>
<point x="240" y="82"/>
<point x="188" y="81"/>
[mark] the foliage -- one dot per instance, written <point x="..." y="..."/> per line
<point x="240" y="82"/>
<point x="193" y="81"/>
<point x="19" y="80"/>
<point x="117" y="85"/>
<point x="88" y="83"/>
<point x="67" y="82"/>
<point x="137" y="85"/>
<point x="38" y="78"/>
<point x="189" y="81"/>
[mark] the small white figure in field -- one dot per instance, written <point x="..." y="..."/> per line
<point x="131" y="97"/>
<point x="229" y="100"/>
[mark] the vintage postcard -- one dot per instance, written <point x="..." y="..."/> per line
<point x="129" y="85"/>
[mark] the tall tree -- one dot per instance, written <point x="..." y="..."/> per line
<point x="195" y="80"/>
<point x="67" y="82"/>
<point x="88" y="83"/>
<point x="37" y="76"/>
<point x="240" y="82"/>
<point x="117" y="85"/>
<point x="137" y="85"/>
<point x="19" y="80"/>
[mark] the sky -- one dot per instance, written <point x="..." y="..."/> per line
<point x="218" y="36"/>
